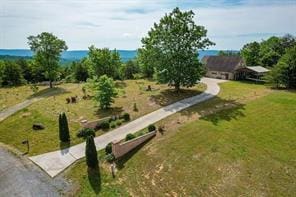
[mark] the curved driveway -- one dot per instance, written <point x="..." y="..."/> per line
<point x="55" y="162"/>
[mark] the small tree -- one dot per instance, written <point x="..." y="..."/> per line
<point x="63" y="128"/>
<point x="105" y="91"/>
<point x="91" y="153"/>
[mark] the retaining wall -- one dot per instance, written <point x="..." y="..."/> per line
<point x="121" y="148"/>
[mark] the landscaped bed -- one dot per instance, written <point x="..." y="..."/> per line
<point x="244" y="145"/>
<point x="18" y="127"/>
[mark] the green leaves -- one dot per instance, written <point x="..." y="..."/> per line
<point x="47" y="51"/>
<point x="104" y="62"/>
<point x="171" y="47"/>
<point x="104" y="89"/>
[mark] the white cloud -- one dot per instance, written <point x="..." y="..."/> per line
<point x="121" y="24"/>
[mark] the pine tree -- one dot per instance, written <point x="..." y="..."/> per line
<point x="63" y="128"/>
<point x="91" y="153"/>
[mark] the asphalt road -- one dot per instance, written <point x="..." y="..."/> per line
<point x="20" y="177"/>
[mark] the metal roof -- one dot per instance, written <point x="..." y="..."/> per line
<point x="258" y="69"/>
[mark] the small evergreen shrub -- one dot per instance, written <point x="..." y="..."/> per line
<point x="63" y="128"/>
<point x="126" y="117"/>
<point x="129" y="137"/>
<point x="83" y="133"/>
<point x="105" y="125"/>
<point x="151" y="128"/>
<point x="91" y="153"/>
<point x="108" y="149"/>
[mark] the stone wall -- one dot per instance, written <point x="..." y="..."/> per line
<point x="121" y="148"/>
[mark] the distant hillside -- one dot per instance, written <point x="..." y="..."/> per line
<point x="69" y="56"/>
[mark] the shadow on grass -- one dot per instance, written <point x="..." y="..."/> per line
<point x="64" y="147"/>
<point x="120" y="162"/>
<point x="229" y="114"/>
<point x="48" y="92"/>
<point x="109" y="112"/>
<point x="170" y="96"/>
<point x="216" y="110"/>
<point x="94" y="178"/>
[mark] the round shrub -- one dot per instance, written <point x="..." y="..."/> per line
<point x="126" y="117"/>
<point x="110" y="158"/>
<point x="83" y="133"/>
<point x="105" y="125"/>
<point x="108" y="149"/>
<point x="113" y="124"/>
<point x="129" y="137"/>
<point x="118" y="122"/>
<point x="151" y="128"/>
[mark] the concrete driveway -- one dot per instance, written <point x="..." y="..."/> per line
<point x="19" y="177"/>
<point x="55" y="162"/>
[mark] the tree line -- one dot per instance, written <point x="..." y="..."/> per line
<point x="276" y="53"/>
<point x="169" y="54"/>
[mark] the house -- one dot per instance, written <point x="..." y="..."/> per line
<point x="231" y="68"/>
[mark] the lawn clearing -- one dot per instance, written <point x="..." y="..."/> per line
<point x="14" y="95"/>
<point x="247" y="148"/>
<point x="18" y="127"/>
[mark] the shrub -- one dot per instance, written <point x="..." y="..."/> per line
<point x="129" y="137"/>
<point x="34" y="88"/>
<point x="105" y="125"/>
<point x="151" y="128"/>
<point x="118" y="122"/>
<point x="108" y="149"/>
<point x="113" y="124"/>
<point x="110" y="158"/>
<point x="86" y="132"/>
<point x="126" y="117"/>
<point x="63" y="128"/>
<point x="91" y="153"/>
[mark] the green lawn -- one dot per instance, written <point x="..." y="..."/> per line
<point x="18" y="127"/>
<point x="13" y="95"/>
<point x="246" y="147"/>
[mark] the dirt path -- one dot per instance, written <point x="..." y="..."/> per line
<point x="11" y="110"/>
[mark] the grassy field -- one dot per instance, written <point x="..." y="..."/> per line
<point x="18" y="127"/>
<point x="243" y="145"/>
<point x="14" y="95"/>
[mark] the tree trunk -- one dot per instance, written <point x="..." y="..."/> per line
<point x="50" y="84"/>
<point x="177" y="87"/>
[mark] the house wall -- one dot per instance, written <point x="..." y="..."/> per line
<point x="220" y="75"/>
<point x="119" y="149"/>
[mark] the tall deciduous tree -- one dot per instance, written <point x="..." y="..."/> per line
<point x="172" y="46"/>
<point x="10" y="73"/>
<point x="250" y="54"/>
<point x="47" y="52"/>
<point x="104" y="62"/>
<point x="284" y="73"/>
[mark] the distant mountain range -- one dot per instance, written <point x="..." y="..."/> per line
<point x="74" y="55"/>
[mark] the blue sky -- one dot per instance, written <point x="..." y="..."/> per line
<point x="122" y="23"/>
